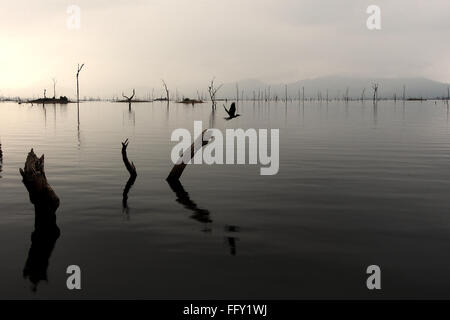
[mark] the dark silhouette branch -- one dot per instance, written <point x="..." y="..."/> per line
<point x="213" y="91"/>
<point x="132" y="170"/>
<point x="46" y="232"/>
<point x="54" y="88"/>
<point x="45" y="200"/>
<point x="129" y="98"/>
<point x="375" y="92"/>
<point x="166" y="89"/>
<point x="78" y="87"/>
<point x="130" y="166"/>
<point x="179" y="167"/>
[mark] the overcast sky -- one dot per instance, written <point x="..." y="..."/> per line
<point x="136" y="43"/>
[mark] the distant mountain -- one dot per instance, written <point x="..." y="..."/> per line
<point x="337" y="87"/>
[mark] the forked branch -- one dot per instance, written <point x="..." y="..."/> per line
<point x="129" y="98"/>
<point x="130" y="166"/>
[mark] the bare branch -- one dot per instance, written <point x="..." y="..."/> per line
<point x="79" y="68"/>
<point x="130" y="166"/>
<point x="213" y="91"/>
<point x="128" y="98"/>
<point x="179" y="167"/>
<point x="165" y="88"/>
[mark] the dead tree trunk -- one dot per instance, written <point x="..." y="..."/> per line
<point x="46" y="231"/>
<point x="78" y="87"/>
<point x="54" y="88"/>
<point x="166" y="89"/>
<point x="130" y="166"/>
<point x="375" y="92"/>
<point x="78" y="93"/>
<point x="212" y="93"/>
<point x="129" y="99"/>
<point x="132" y="170"/>
<point x="178" y="168"/>
<point x="45" y="200"/>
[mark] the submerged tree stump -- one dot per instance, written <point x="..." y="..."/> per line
<point x="46" y="232"/>
<point x="129" y="165"/>
<point x="42" y="196"/>
<point x="133" y="174"/>
<point x="179" y="167"/>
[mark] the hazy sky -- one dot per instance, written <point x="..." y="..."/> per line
<point x="136" y="43"/>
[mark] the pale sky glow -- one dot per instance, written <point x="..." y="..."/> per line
<point x="136" y="43"/>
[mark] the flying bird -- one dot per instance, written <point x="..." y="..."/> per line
<point x="231" y="112"/>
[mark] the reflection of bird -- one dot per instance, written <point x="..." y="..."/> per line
<point x="231" y="112"/>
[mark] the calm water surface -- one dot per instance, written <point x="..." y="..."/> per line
<point x="357" y="186"/>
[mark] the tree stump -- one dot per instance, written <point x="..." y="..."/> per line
<point x="46" y="232"/>
<point x="177" y="170"/>
<point x="133" y="174"/>
<point x="42" y="196"/>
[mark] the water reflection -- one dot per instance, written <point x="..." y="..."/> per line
<point x="212" y="118"/>
<point x="199" y="214"/>
<point x="131" y="118"/>
<point x="45" y="115"/>
<point x="78" y="125"/>
<point x="43" y="240"/>
<point x="232" y="240"/>
<point x="129" y="184"/>
<point x="1" y="160"/>
<point x="447" y="119"/>
<point x="375" y="113"/>
<point x="405" y="173"/>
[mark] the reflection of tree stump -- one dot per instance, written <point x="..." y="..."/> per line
<point x="43" y="241"/>
<point x="45" y="200"/>
<point x="201" y="215"/>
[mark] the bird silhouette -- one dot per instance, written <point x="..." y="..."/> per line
<point x="231" y="112"/>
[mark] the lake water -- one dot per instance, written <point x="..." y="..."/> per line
<point x="357" y="186"/>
